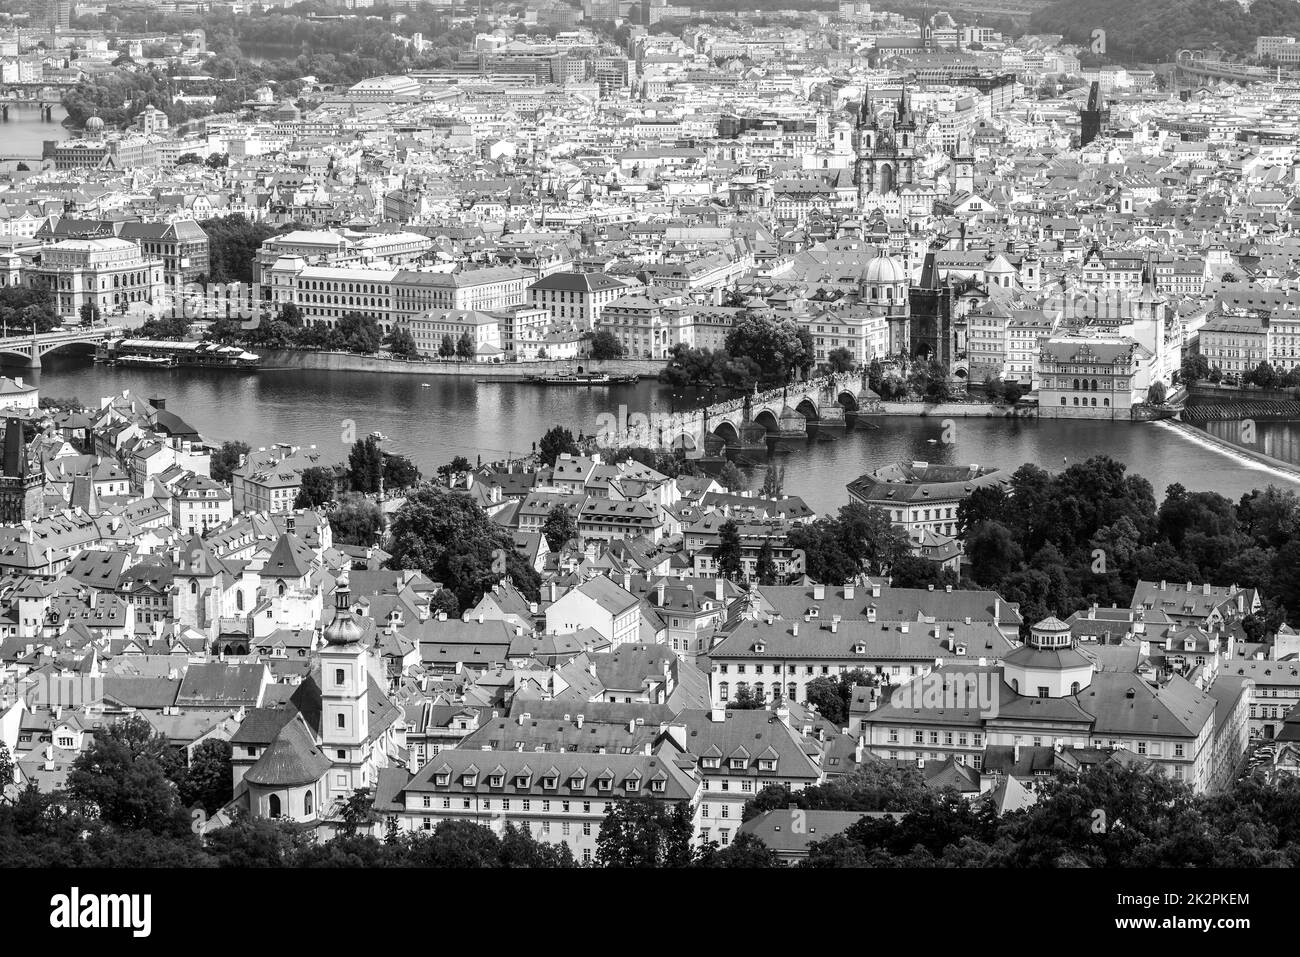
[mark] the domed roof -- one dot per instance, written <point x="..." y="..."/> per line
<point x="95" y="124"/>
<point x="884" y="269"/>
<point x="1051" y="623"/>
<point x="344" y="629"/>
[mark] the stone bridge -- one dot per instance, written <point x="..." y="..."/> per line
<point x="32" y="347"/>
<point x="747" y="422"/>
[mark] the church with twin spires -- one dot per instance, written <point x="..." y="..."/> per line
<point x="886" y="145"/>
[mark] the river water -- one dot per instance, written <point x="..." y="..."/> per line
<point x="456" y="416"/>
<point x="25" y="132"/>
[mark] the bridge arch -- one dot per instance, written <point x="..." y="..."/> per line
<point x="768" y="420"/>
<point x="848" y="400"/>
<point x="727" y="432"/>
<point x="807" y="407"/>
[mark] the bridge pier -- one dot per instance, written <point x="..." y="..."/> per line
<point x="791" y="424"/>
<point x="830" y="413"/>
<point x="4" y="111"/>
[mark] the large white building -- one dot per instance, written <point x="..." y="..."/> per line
<point x="110" y="274"/>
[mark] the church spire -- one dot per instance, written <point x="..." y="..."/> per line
<point x="864" y="108"/>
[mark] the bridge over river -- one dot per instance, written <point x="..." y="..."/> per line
<point x="743" y="423"/>
<point x="31" y="347"/>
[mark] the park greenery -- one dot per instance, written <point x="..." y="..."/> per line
<point x="132" y="799"/>
<point x="1155" y="31"/>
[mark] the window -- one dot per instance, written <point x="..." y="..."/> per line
<point x="273" y="803"/>
<point x="339" y="676"/>
<point x="306" y="803"/>
<point x="341" y="721"/>
<point x="586" y="829"/>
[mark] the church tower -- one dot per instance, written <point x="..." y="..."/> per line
<point x="864" y="144"/>
<point x="886" y="152"/>
<point x="345" y="704"/>
<point x="963" y="180"/>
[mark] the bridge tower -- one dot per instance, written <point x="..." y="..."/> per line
<point x="22" y="487"/>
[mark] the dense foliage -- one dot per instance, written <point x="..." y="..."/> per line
<point x="1158" y="29"/>
<point x="1058" y="543"/>
<point x="452" y="540"/>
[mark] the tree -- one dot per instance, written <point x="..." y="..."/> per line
<point x="559" y="528"/>
<point x="446" y="348"/>
<point x="556" y="442"/>
<point x="365" y="465"/>
<point x="124" y="775"/>
<point x="746" y="850"/>
<point x="6" y="769"/>
<point x="90" y="314"/>
<point x="773" y="482"/>
<point x="402" y="343"/>
<point x="208" y="781"/>
<point x="399" y="472"/>
<point x="1156" y="393"/>
<point x="645" y="833"/>
<point x="772" y="350"/>
<point x="233" y="244"/>
<point x="358" y="332"/>
<point x="460" y="844"/>
<point x="317" y="488"/>
<point x="1264" y="376"/>
<point x="189" y="159"/>
<point x="358" y="811"/>
<point x="457" y="466"/>
<point x="840" y="360"/>
<point x="447" y="536"/>
<point x="993" y="551"/>
<point x="606" y="345"/>
<point x="765" y="567"/>
<point x="728" y="553"/>
<point x="732" y="478"/>
<point x="217" y="161"/>
<point x="833" y="696"/>
<point x="1194" y="368"/>
<point x="227" y="458"/>
<point x="465" y="346"/>
<point x="356" y="521"/>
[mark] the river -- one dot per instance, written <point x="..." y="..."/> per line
<point x="456" y="416"/>
<point x="25" y="132"/>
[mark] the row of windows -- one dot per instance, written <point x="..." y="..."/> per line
<point x="1105" y="402"/>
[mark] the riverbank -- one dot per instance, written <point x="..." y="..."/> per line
<point x="956" y="410"/>
<point x="1242" y="455"/>
<point x="273" y="359"/>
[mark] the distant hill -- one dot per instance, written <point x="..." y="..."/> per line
<point x="1155" y="30"/>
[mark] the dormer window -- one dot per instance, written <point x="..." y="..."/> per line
<point x="604" y="784"/>
<point x="737" y="764"/>
<point x="632" y="784"/>
<point x="496" y="780"/>
<point x="442" y="779"/>
<point x="712" y="763"/>
<point x="859" y="649"/>
<point x="767" y="765"/>
<point x="657" y="786"/>
<point x="549" y="783"/>
<point x="470" y="780"/>
<point x="578" y="782"/>
<point x="759" y="647"/>
<point x="523" y="780"/>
